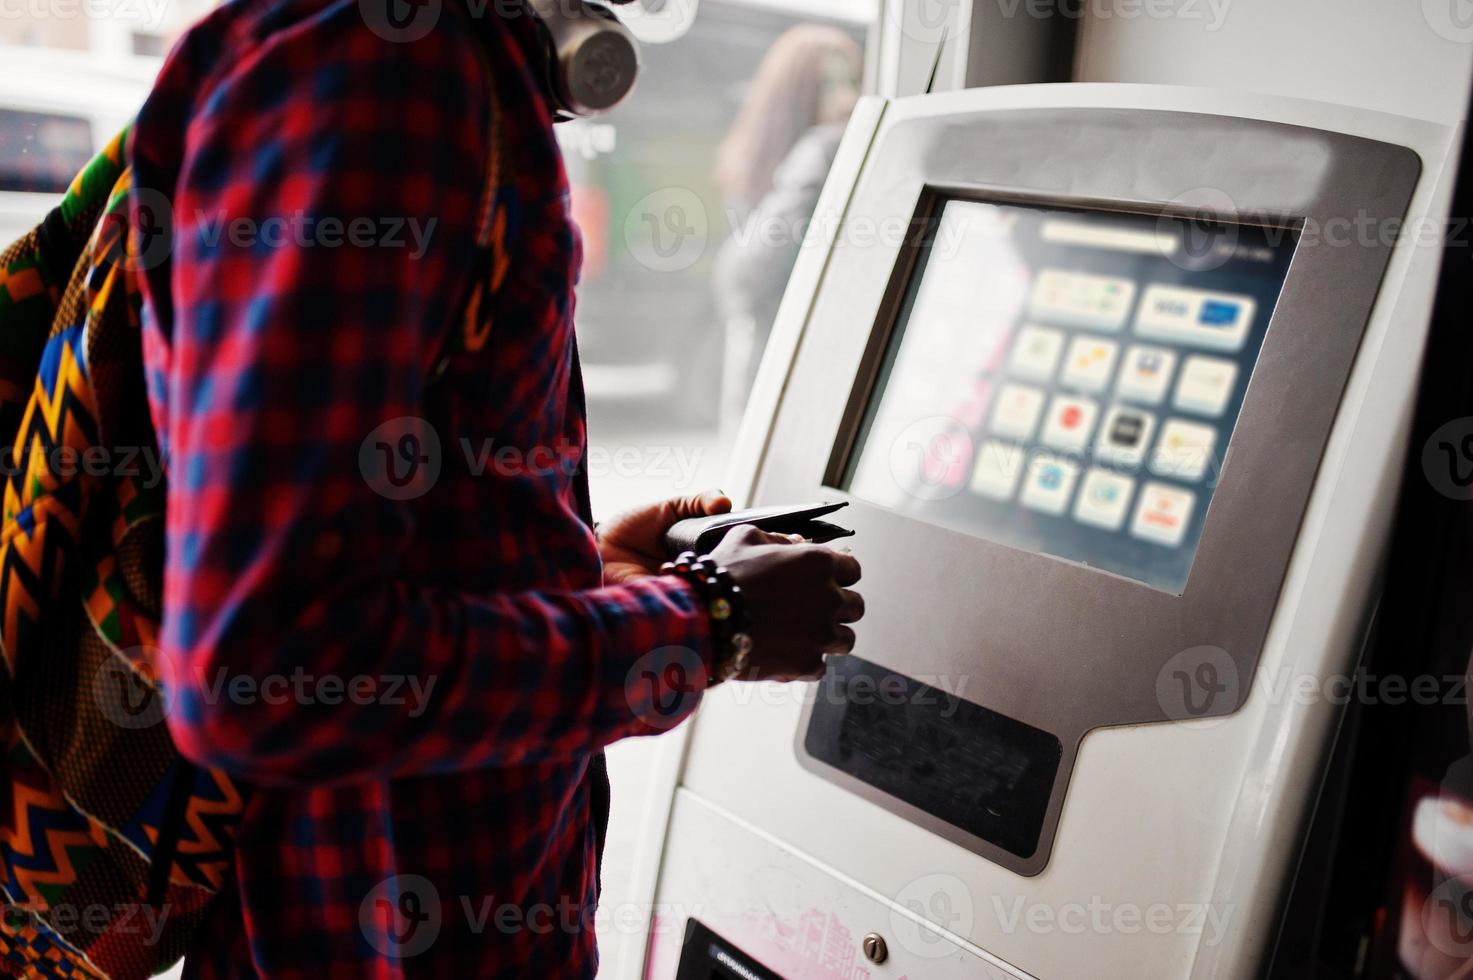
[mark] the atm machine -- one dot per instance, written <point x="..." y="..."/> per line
<point x="1115" y="380"/>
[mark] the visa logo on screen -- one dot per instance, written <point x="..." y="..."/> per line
<point x="1195" y="316"/>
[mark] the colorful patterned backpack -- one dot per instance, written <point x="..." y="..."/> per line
<point x="113" y="844"/>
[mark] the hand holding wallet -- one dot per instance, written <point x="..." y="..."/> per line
<point x="702" y="534"/>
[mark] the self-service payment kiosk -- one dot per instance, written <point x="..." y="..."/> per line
<point x="1115" y="380"/>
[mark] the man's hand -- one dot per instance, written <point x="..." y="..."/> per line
<point x="633" y="544"/>
<point x="798" y="598"/>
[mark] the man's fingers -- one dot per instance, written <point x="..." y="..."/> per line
<point x="843" y="641"/>
<point x="696" y="505"/>
<point x="846" y="568"/>
<point x="713" y="502"/>
<point x="751" y="535"/>
<point x="851" y="606"/>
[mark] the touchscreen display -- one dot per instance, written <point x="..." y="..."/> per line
<point x="1067" y="382"/>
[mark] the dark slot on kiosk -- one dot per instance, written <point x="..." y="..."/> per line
<point x="976" y="769"/>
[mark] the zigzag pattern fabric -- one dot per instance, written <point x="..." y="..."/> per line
<point x="88" y="769"/>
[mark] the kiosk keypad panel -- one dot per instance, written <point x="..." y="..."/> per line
<point x="1067" y="382"/>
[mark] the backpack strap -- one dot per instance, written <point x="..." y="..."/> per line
<point x="170" y="828"/>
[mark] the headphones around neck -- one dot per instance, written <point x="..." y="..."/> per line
<point x="593" y="59"/>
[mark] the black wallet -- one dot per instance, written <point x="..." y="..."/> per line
<point x="701" y="534"/>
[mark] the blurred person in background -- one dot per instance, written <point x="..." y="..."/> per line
<point x="771" y="168"/>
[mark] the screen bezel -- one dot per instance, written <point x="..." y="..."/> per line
<point x="890" y="323"/>
<point x="1065" y="648"/>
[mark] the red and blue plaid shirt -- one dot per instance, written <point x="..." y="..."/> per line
<point x="407" y="649"/>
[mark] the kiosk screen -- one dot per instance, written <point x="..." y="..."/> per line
<point x="1067" y="381"/>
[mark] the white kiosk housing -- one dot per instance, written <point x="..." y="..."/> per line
<point x="1116" y="380"/>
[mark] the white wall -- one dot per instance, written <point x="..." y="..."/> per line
<point x="1410" y="57"/>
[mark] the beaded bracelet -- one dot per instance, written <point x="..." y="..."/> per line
<point x="725" y="608"/>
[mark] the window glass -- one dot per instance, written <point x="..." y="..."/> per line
<point x="74" y="74"/>
<point x="693" y="198"/>
<point x="41" y="151"/>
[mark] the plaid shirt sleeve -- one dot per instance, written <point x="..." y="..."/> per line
<point x="288" y="344"/>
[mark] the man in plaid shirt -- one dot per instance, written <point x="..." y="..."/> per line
<point x="291" y="340"/>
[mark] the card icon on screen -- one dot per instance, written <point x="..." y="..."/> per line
<point x="1146" y="374"/>
<point x="1216" y="313"/>
<point x="1163" y="512"/>
<point x="1126" y="433"/>
<point x="1070" y="422"/>
<point x="1050" y="481"/>
<point x="1104" y="499"/>
<point x="1082" y="299"/>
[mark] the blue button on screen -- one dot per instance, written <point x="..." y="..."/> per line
<point x="1219" y="314"/>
